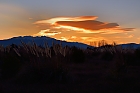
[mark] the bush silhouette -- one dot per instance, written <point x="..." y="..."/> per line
<point x="48" y="74"/>
<point x="131" y="59"/>
<point x="10" y="66"/>
<point x="137" y="52"/>
<point x="107" y="56"/>
<point x="77" y="55"/>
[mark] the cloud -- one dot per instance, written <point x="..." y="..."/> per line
<point x="81" y="39"/>
<point x="30" y="18"/>
<point x="125" y="37"/>
<point x="63" y="39"/>
<point x="130" y="36"/>
<point x="85" y="24"/>
<point x="80" y="29"/>
<point x="47" y="32"/>
<point x="93" y="26"/>
<point x="89" y="25"/>
<point x="54" y="20"/>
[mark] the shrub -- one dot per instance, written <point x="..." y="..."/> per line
<point x="137" y="53"/>
<point x="77" y="55"/>
<point x="108" y="56"/>
<point x="130" y="59"/>
<point x="48" y="73"/>
<point x="10" y="67"/>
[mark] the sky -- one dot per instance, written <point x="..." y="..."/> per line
<point x="83" y="21"/>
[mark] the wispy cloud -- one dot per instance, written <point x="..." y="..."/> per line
<point x="85" y="24"/>
<point x="93" y="26"/>
<point x="54" y="20"/>
<point x="130" y="36"/>
<point x="79" y="25"/>
<point x="47" y="33"/>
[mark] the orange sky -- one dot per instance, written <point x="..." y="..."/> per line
<point x="72" y="20"/>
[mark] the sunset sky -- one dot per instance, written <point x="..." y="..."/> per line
<point x="72" y="20"/>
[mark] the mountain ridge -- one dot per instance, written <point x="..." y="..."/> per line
<point x="39" y="40"/>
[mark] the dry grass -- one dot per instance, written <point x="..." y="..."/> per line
<point x="108" y="65"/>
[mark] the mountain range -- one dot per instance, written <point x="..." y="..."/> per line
<point x="42" y="39"/>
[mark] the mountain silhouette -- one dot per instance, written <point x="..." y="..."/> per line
<point x="40" y="41"/>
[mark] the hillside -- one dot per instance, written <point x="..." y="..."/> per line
<point x="39" y="41"/>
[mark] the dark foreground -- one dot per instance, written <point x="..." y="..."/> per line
<point x="57" y="69"/>
<point x="85" y="77"/>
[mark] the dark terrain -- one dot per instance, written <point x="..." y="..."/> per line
<point x="35" y="69"/>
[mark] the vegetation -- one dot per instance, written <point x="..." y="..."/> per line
<point x="32" y="64"/>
